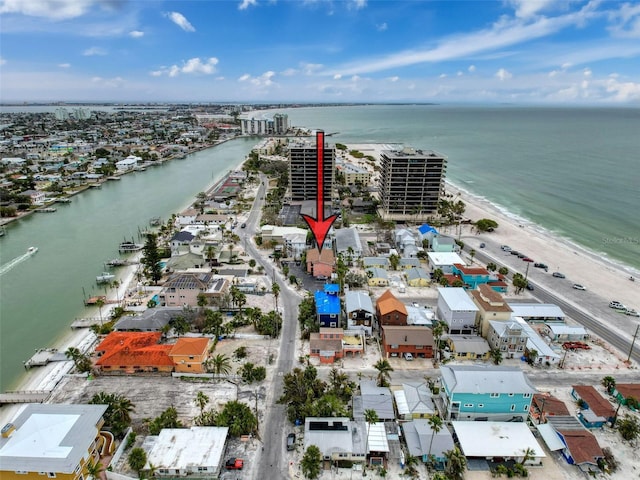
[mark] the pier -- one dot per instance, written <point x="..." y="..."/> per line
<point x="44" y="356"/>
<point x="89" y="321"/>
<point x="24" y="396"/>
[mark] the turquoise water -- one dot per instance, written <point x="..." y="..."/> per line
<point x="573" y="171"/>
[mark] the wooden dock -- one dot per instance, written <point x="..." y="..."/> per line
<point x="24" y="396"/>
<point x="44" y="356"/>
<point x="89" y="321"/>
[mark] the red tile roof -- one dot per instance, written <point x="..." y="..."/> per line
<point x="128" y="349"/>
<point x="471" y="270"/>
<point x="550" y="405"/>
<point x="583" y="446"/>
<point x="629" y="390"/>
<point x="190" y="346"/>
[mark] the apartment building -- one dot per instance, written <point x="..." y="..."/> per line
<point x="410" y="183"/>
<point x="303" y="171"/>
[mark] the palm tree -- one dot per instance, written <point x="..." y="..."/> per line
<point x="384" y="369"/>
<point x="496" y="355"/>
<point x="609" y="383"/>
<point x="201" y="401"/>
<point x="275" y="289"/>
<point x="100" y="304"/>
<point x="435" y="422"/>
<point x="456" y="464"/>
<point x="528" y="454"/>
<point x="121" y="409"/>
<point x="74" y="354"/>
<point x="220" y="364"/>
<point x="94" y="468"/>
<point x="370" y="416"/>
<point x="410" y="464"/>
<point x="472" y="253"/>
<point x="210" y="253"/>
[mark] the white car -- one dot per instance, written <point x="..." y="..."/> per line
<point x="631" y="312"/>
<point x="577" y="286"/>
<point x="408" y="356"/>
<point x="617" y="305"/>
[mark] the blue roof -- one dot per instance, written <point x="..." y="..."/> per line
<point x="327" y="304"/>
<point x="426" y="228"/>
<point x="332" y="288"/>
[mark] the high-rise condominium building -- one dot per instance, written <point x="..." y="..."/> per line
<point x="411" y="182"/>
<point x="303" y="171"/>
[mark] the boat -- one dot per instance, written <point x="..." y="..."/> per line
<point x="127" y="246"/>
<point x="32" y="250"/>
<point x="105" y="277"/>
<point x="116" y="262"/>
<point x="46" y="210"/>
<point x="63" y="200"/>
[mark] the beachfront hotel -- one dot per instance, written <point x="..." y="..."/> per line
<point x="411" y="182"/>
<point x="303" y="171"/>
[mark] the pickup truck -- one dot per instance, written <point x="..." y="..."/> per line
<point x="575" y="346"/>
<point x="234" y="464"/>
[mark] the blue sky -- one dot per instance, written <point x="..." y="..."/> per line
<point x="519" y="51"/>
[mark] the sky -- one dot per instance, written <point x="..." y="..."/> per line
<point x="567" y="52"/>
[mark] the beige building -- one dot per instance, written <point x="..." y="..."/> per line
<point x="491" y="306"/>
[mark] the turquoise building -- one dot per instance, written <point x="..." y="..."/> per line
<point x="486" y="392"/>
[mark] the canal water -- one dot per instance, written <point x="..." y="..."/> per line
<point x="42" y="294"/>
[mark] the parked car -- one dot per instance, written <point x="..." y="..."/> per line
<point x="577" y="286"/>
<point x="617" y="305"/>
<point x="530" y="287"/>
<point x="514" y="252"/>
<point x="575" y="346"/>
<point x="234" y="464"/>
<point x="540" y="265"/>
<point x="505" y="248"/>
<point x="482" y="245"/>
<point x="416" y="304"/>
<point x="631" y="312"/>
<point x="243" y="225"/>
<point x="527" y="259"/>
<point x="291" y="441"/>
<point x="408" y="356"/>
<point x="558" y="275"/>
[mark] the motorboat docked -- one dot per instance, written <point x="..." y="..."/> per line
<point x="32" y="250"/>
<point x="116" y="262"/>
<point x="127" y="246"/>
<point x="105" y="277"/>
<point x="46" y="210"/>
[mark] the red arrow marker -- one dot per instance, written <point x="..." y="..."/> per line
<point x="320" y="226"/>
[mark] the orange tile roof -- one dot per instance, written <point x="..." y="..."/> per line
<point x="583" y="446"/>
<point x="326" y="256"/>
<point x="132" y="340"/>
<point x="388" y="303"/>
<point x="133" y="349"/>
<point x="471" y="270"/>
<point x="190" y="346"/>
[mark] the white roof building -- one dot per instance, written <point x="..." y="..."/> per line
<point x="444" y="260"/>
<point x="497" y="439"/>
<point x="182" y="451"/>
<point x="537" y="311"/>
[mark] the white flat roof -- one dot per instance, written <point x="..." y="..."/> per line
<point x="457" y="299"/>
<point x="496" y="439"/>
<point x="444" y="258"/>
<point x="550" y="437"/>
<point x="536" y="310"/>
<point x="182" y="448"/>
<point x="567" y="329"/>
<point x="378" y="438"/>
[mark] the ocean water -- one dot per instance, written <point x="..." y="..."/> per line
<point x="575" y="172"/>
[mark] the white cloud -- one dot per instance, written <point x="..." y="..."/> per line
<point x="289" y="72"/>
<point x="136" y="34"/>
<point x="180" y="20"/>
<point x="355" y="78"/>
<point x="115" y="82"/>
<point x="262" y="81"/>
<point x="311" y="68"/>
<point x="472" y="68"/>
<point x="358" y="4"/>
<point x="193" y="66"/>
<point x="337" y="76"/>
<point x="382" y="27"/>
<point x="92" y="51"/>
<point x="2" y="61"/>
<point x="626" y="21"/>
<point x="503" y="75"/>
<point x="623" y="92"/>
<point x="459" y="73"/>
<point x="56" y="10"/>
<point x="530" y="8"/>
<point x="64" y="65"/>
<point x="587" y="72"/>
<point x="394" y="79"/>
<point x="247" y="3"/>
<point x="244" y="77"/>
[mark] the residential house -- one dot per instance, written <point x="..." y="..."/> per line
<point x="544" y="352"/>
<point x="189" y="354"/>
<point x="182" y="452"/>
<point x="295" y="244"/>
<point x="183" y="288"/>
<point x="423" y="442"/>
<point x="151" y="320"/>
<point x="359" y="311"/>
<point x="485" y="392"/>
<point x="390" y="310"/>
<point x="491" y="306"/>
<point x="427" y="232"/>
<point x="414" y="401"/>
<point x="418" y="277"/>
<point x="128" y="163"/>
<point x="443" y="261"/>
<point x="441" y="243"/>
<point x="420" y="316"/>
<point x="408" y="263"/>
<point x="328" y="308"/>
<point x="373" y="397"/>
<point x="565" y="333"/>
<point x="187" y="217"/>
<point x="326" y="344"/>
<point x="273" y="234"/>
<point x="180" y="239"/>
<point x="456" y="308"/>
<point x="474" y="276"/>
<point x="508" y="337"/>
<point x="348" y="244"/>
<point x="338" y="438"/>
<point x="37" y="197"/>
<point x="578" y="446"/>
<point x="321" y="264"/>
<point x="595" y="410"/>
<point x="54" y="441"/>
<point x="467" y="347"/>
<point x="376" y="262"/>
<point x="133" y="352"/>
<point x="545" y="405"/>
<point x="405" y="240"/>
<point x="377" y="277"/>
<point x="625" y="391"/>
<point x="498" y="441"/>
<point x="537" y="312"/>
<point x="397" y="341"/>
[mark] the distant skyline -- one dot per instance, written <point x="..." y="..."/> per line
<point x="570" y="52"/>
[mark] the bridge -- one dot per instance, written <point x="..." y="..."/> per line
<point x="24" y="396"/>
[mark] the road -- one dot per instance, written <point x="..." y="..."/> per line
<point x="586" y="308"/>
<point x="272" y="461"/>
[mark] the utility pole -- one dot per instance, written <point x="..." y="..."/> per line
<point x="635" y="335"/>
